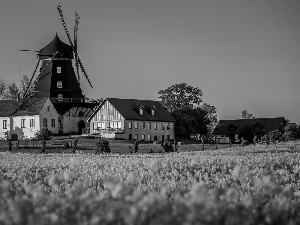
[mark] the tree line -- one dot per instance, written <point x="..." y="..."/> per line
<point x="11" y="91"/>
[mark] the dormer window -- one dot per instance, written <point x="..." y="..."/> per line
<point x="141" y="110"/>
<point x="58" y="69"/>
<point x="59" y="84"/>
<point x="153" y="111"/>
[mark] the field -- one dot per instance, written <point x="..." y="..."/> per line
<point x="249" y="185"/>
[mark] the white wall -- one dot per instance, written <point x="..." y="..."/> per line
<point x="2" y="131"/>
<point x="49" y="112"/>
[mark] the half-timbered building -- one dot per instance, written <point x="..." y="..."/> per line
<point x="132" y="119"/>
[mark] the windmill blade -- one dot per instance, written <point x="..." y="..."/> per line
<point x="64" y="24"/>
<point x="72" y="46"/>
<point x="31" y="84"/>
<point x="75" y="43"/>
<point x="25" y="95"/>
<point x="83" y="71"/>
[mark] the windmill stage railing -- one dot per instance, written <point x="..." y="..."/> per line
<point x="73" y="100"/>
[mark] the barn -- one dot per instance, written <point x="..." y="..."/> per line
<point x="230" y="129"/>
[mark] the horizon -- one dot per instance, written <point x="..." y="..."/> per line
<point x="243" y="55"/>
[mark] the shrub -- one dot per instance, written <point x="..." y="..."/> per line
<point x="43" y="134"/>
<point x="103" y="146"/>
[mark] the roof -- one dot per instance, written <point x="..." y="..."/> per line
<point x="267" y="125"/>
<point x="129" y="109"/>
<point x="25" y="107"/>
<point x="65" y="50"/>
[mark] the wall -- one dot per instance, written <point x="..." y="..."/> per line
<point x="159" y="132"/>
<point x="105" y="118"/>
<point x="49" y="112"/>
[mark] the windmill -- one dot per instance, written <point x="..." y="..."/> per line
<point x="57" y="77"/>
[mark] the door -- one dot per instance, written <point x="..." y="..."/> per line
<point x="81" y="126"/>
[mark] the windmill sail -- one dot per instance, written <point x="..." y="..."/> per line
<point x="75" y="44"/>
<point x="72" y="46"/>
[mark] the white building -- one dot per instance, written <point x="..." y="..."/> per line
<point x="23" y="119"/>
<point x="132" y="119"/>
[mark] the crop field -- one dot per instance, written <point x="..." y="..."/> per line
<point x="250" y="185"/>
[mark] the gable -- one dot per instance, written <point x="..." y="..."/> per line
<point x="106" y="112"/>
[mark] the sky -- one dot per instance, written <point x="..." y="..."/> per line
<point x="242" y="54"/>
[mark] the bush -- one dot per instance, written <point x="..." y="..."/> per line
<point x="103" y="146"/>
<point x="43" y="134"/>
<point x="291" y="132"/>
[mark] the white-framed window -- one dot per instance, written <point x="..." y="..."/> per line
<point x="149" y="125"/>
<point x="45" y="124"/>
<point x="32" y="122"/>
<point x="22" y="123"/>
<point x="143" y="137"/>
<point x="149" y="137"/>
<point x="52" y="122"/>
<point x="130" y="125"/>
<point x="141" y="111"/>
<point x="4" y="124"/>
<point x="136" y="136"/>
<point x="162" y="126"/>
<point x="152" y="112"/>
<point x="48" y="108"/>
<point x="136" y="124"/>
<point x="59" y="84"/>
<point x="155" y="126"/>
<point x="143" y="125"/>
<point x="58" y="69"/>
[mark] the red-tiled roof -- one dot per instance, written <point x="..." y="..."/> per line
<point x="267" y="125"/>
<point x="27" y="107"/>
<point x="129" y="109"/>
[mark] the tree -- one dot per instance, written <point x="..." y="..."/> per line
<point x="190" y="121"/>
<point x="2" y="89"/>
<point x="23" y="86"/>
<point x="212" y="116"/>
<point x="180" y="96"/>
<point x="12" y="91"/>
<point x="246" y="115"/>
<point x="291" y="131"/>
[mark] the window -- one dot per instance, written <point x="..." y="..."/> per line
<point x="149" y="125"/>
<point x="130" y="125"/>
<point x="60" y="96"/>
<point x="143" y="125"/>
<point x="136" y="136"/>
<point x="155" y="126"/>
<point x="59" y="84"/>
<point x="4" y="124"/>
<point x="168" y="137"/>
<point x="22" y="123"/>
<point x="149" y="137"/>
<point x="162" y="137"/>
<point x="162" y="126"/>
<point x="136" y="125"/>
<point x="168" y="126"/>
<point x="130" y="137"/>
<point x="32" y="122"/>
<point x="101" y="117"/>
<point x="141" y="111"/>
<point x="155" y="138"/>
<point x="52" y="122"/>
<point x="143" y="137"/>
<point x="58" y="69"/>
<point x="45" y="122"/>
<point x="48" y="108"/>
<point x="152" y="112"/>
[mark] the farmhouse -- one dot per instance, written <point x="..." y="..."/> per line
<point x="230" y="129"/>
<point x="23" y="119"/>
<point x="132" y="119"/>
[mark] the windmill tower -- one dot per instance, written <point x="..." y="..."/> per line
<point x="57" y="78"/>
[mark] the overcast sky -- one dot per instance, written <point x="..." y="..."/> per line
<point x="243" y="54"/>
